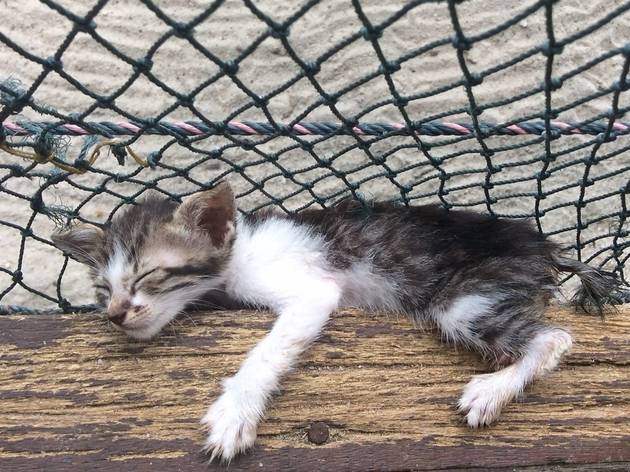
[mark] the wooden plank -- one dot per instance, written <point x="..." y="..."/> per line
<point x="74" y="393"/>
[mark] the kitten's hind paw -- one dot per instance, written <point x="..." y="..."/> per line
<point x="229" y="431"/>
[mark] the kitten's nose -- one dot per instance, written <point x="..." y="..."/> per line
<point x="117" y="312"/>
<point x="117" y="318"/>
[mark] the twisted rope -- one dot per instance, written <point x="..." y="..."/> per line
<point x="196" y="128"/>
<point x="25" y="310"/>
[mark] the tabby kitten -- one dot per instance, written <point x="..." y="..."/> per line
<point x="483" y="282"/>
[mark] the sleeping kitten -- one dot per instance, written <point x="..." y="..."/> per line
<point x="484" y="283"/>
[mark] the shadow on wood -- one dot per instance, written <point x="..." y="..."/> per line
<point x="76" y="395"/>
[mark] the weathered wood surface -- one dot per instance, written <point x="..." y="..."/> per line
<point x="75" y="395"/>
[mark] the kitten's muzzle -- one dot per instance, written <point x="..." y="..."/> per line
<point x="117" y="311"/>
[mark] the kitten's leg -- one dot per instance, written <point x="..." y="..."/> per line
<point x="233" y="418"/>
<point x="506" y="328"/>
<point x="485" y="395"/>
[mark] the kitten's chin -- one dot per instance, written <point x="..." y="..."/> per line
<point x="146" y="331"/>
<point x="143" y="334"/>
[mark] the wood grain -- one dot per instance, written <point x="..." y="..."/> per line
<point x="76" y="394"/>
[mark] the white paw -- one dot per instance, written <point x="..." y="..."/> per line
<point x="230" y="429"/>
<point x="484" y="397"/>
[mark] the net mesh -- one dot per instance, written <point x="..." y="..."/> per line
<point x="299" y="106"/>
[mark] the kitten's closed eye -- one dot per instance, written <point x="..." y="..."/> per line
<point x="165" y="280"/>
<point x="140" y="278"/>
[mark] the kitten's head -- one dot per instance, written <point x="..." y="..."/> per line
<point x="157" y="257"/>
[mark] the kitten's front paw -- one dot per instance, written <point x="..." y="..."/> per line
<point x="230" y="430"/>
<point x="483" y="399"/>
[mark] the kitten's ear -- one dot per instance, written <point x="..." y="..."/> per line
<point x="82" y="242"/>
<point x="212" y="211"/>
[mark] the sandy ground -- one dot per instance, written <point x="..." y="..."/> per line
<point x="132" y="28"/>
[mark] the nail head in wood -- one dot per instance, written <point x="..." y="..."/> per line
<point x="318" y="432"/>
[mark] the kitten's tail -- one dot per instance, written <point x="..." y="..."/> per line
<point x="599" y="288"/>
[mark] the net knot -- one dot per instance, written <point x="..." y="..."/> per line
<point x="85" y="25"/>
<point x="389" y="67"/>
<point x="549" y="49"/>
<point x="329" y="100"/>
<point x="247" y="145"/>
<point x="36" y="203"/>
<point x="143" y="65"/>
<point x="312" y="67"/>
<point x="370" y="33"/>
<point x="13" y="96"/>
<point x="553" y="84"/>
<point x="181" y="30"/>
<point x="306" y="146"/>
<point x="185" y="100"/>
<point x="278" y="31"/>
<point x="260" y="102"/>
<point x="461" y="42"/>
<point x="380" y="160"/>
<point x="230" y="68"/>
<point x="475" y="79"/>
<point x="475" y="111"/>
<point x="18" y="171"/>
<point x="52" y="63"/>
<point x="106" y="102"/>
